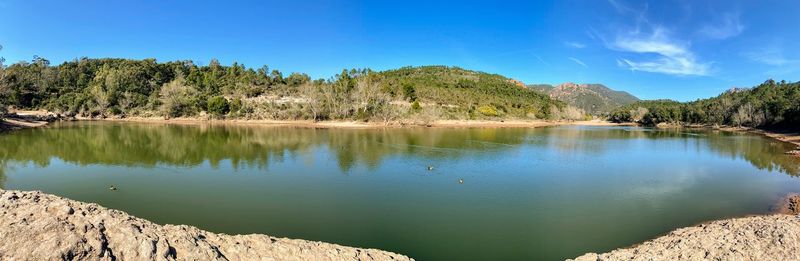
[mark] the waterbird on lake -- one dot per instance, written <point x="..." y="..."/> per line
<point x="112" y="187"/>
<point x="460" y="181"/>
<point x="430" y="167"/>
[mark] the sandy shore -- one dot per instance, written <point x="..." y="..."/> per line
<point x="8" y="124"/>
<point x="359" y="124"/>
<point x="39" y="226"/>
<point x="18" y="115"/>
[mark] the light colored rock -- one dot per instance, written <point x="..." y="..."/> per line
<point x="773" y="237"/>
<point x="38" y="226"/>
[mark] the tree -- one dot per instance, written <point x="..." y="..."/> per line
<point x="4" y="91"/>
<point x="314" y="99"/>
<point x="105" y="87"/>
<point x="218" y="106"/>
<point x="367" y="92"/>
<point x="296" y="79"/>
<point x="277" y="77"/>
<point x="177" y="98"/>
<point x="409" y="92"/>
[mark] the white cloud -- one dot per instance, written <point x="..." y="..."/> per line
<point x="575" y="45"/>
<point x="672" y="57"/>
<point x="578" y="61"/>
<point x="657" y="51"/>
<point x="728" y="26"/>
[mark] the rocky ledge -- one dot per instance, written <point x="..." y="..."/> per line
<point x="38" y="226"/>
<point x="772" y="237"/>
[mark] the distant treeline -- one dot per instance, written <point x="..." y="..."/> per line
<point x="123" y="87"/>
<point x="771" y="104"/>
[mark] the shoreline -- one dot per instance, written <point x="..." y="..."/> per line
<point x="81" y="230"/>
<point x="749" y="237"/>
<point x="43" y="118"/>
<point x="790" y="137"/>
<point x="41" y="226"/>
<point x="695" y="238"/>
<point x="755" y="237"/>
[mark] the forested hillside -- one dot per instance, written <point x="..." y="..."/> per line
<point x="769" y="105"/>
<point x="123" y="87"/>
<point x="594" y="99"/>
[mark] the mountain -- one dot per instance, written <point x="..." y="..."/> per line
<point x="592" y="98"/>
<point x="470" y="92"/>
<point x="112" y="87"/>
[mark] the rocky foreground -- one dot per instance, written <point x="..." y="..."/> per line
<point x="38" y="226"/>
<point x="773" y="237"/>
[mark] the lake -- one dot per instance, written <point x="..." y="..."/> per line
<point x="527" y="194"/>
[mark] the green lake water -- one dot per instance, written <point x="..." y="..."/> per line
<point x="527" y="194"/>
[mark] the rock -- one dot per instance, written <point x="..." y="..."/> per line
<point x="772" y="237"/>
<point x="74" y="230"/>
<point x="790" y="204"/>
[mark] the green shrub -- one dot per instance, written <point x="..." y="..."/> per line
<point x="410" y="92"/>
<point x="415" y="106"/>
<point x="236" y="105"/>
<point x="488" y="110"/>
<point x="218" y="106"/>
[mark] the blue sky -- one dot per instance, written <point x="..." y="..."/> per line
<point x="681" y="50"/>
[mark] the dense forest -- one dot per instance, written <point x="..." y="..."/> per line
<point x="768" y="105"/>
<point x="109" y="87"/>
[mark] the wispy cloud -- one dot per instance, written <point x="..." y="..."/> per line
<point x="660" y="51"/>
<point x="672" y="57"/>
<point x="540" y="59"/>
<point x="621" y="7"/>
<point x="576" y="60"/>
<point x="770" y="55"/>
<point x="575" y="45"/>
<point x="728" y="26"/>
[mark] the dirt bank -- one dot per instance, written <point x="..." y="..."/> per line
<point x="38" y="226"/>
<point x="41" y="116"/>
<point x="770" y="237"/>
<point x="14" y="121"/>
<point x="792" y="137"/>
<point x="773" y="237"/>
<point x="347" y="124"/>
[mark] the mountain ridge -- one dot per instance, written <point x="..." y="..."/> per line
<point x="593" y="98"/>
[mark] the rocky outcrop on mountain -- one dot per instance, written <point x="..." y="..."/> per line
<point x="592" y="98"/>
<point x="774" y="237"/>
<point x="38" y="226"/>
<point x="517" y="82"/>
<point x="737" y="89"/>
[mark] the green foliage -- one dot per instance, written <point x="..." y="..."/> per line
<point x="177" y="99"/>
<point x="181" y="88"/>
<point x="409" y="92"/>
<point x="488" y="110"/>
<point x="595" y="99"/>
<point x="218" y="106"/>
<point x="770" y="104"/>
<point x="236" y="105"/>
<point x="415" y="106"/>
<point x="461" y="89"/>
<point x="296" y="79"/>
